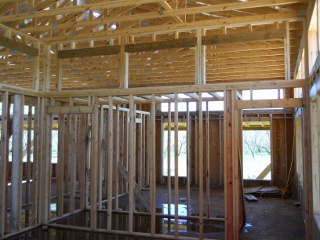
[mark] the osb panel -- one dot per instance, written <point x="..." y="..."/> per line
<point x="215" y="171"/>
<point x="215" y="155"/>
<point x="282" y="137"/>
<point x="158" y="151"/>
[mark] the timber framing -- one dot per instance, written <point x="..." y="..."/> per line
<point x="96" y="78"/>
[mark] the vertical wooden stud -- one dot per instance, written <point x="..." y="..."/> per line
<point x="123" y="65"/>
<point x="117" y="157"/>
<point x="46" y="68"/>
<point x="3" y="163"/>
<point x="16" y="170"/>
<point x="110" y="161"/>
<point x="36" y="69"/>
<point x="28" y="166"/>
<point x="207" y="160"/>
<point x="59" y="69"/>
<point x="60" y="164"/>
<point x="131" y="163"/>
<point x="228" y="168"/>
<point x="82" y="159"/>
<point x="188" y="182"/>
<point x="101" y="158"/>
<point x="36" y="157"/>
<point x="152" y="165"/>
<point x="72" y="156"/>
<point x="94" y="163"/>
<point x="200" y="160"/>
<point x="287" y="52"/>
<point x="169" y="164"/>
<point x="176" y="167"/>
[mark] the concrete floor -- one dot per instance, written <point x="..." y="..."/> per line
<point x="268" y="218"/>
<point x="273" y="218"/>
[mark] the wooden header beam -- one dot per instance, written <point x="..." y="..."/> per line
<point x="70" y="109"/>
<point x="274" y="103"/>
<point x="18" y="46"/>
<point x="89" y="52"/>
<point x="161" y="45"/>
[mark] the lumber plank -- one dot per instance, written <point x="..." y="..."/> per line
<point x="89" y="52"/>
<point x="3" y="162"/>
<point x="276" y="103"/>
<point x="18" y="46"/>
<point x="16" y="171"/>
<point x="249" y="197"/>
<point x="69" y="109"/>
<point x="160" y="45"/>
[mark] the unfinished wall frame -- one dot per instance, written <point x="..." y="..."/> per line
<point x="97" y="124"/>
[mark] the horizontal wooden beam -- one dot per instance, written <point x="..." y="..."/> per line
<point x="247" y="37"/>
<point x="89" y="52"/>
<point x="274" y="103"/>
<point x="70" y="110"/>
<point x="18" y="46"/>
<point x="179" y="88"/>
<point x="161" y="45"/>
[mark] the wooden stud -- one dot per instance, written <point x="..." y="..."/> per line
<point x="36" y="69"/>
<point x="189" y="148"/>
<point x="228" y="169"/>
<point x="176" y="167"/>
<point x="46" y="68"/>
<point x="131" y="163"/>
<point x="117" y="152"/>
<point x="3" y="163"/>
<point x="169" y="164"/>
<point x="196" y="150"/>
<point x="220" y="151"/>
<point x="139" y="149"/>
<point x="82" y="136"/>
<point x="72" y="129"/>
<point x="143" y="160"/>
<point x="200" y="160"/>
<point x="28" y="166"/>
<point x="59" y="69"/>
<point x="36" y="164"/>
<point x="287" y="52"/>
<point x="207" y="160"/>
<point x="152" y="165"/>
<point x="110" y="162"/>
<point x="94" y="164"/>
<point x="102" y="165"/>
<point x="16" y="171"/>
<point x="123" y="65"/>
<point x="60" y="164"/>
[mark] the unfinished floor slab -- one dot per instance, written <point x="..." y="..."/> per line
<point x="268" y="218"/>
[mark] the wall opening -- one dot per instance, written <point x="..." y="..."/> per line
<point x="169" y="143"/>
<point x="256" y="154"/>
